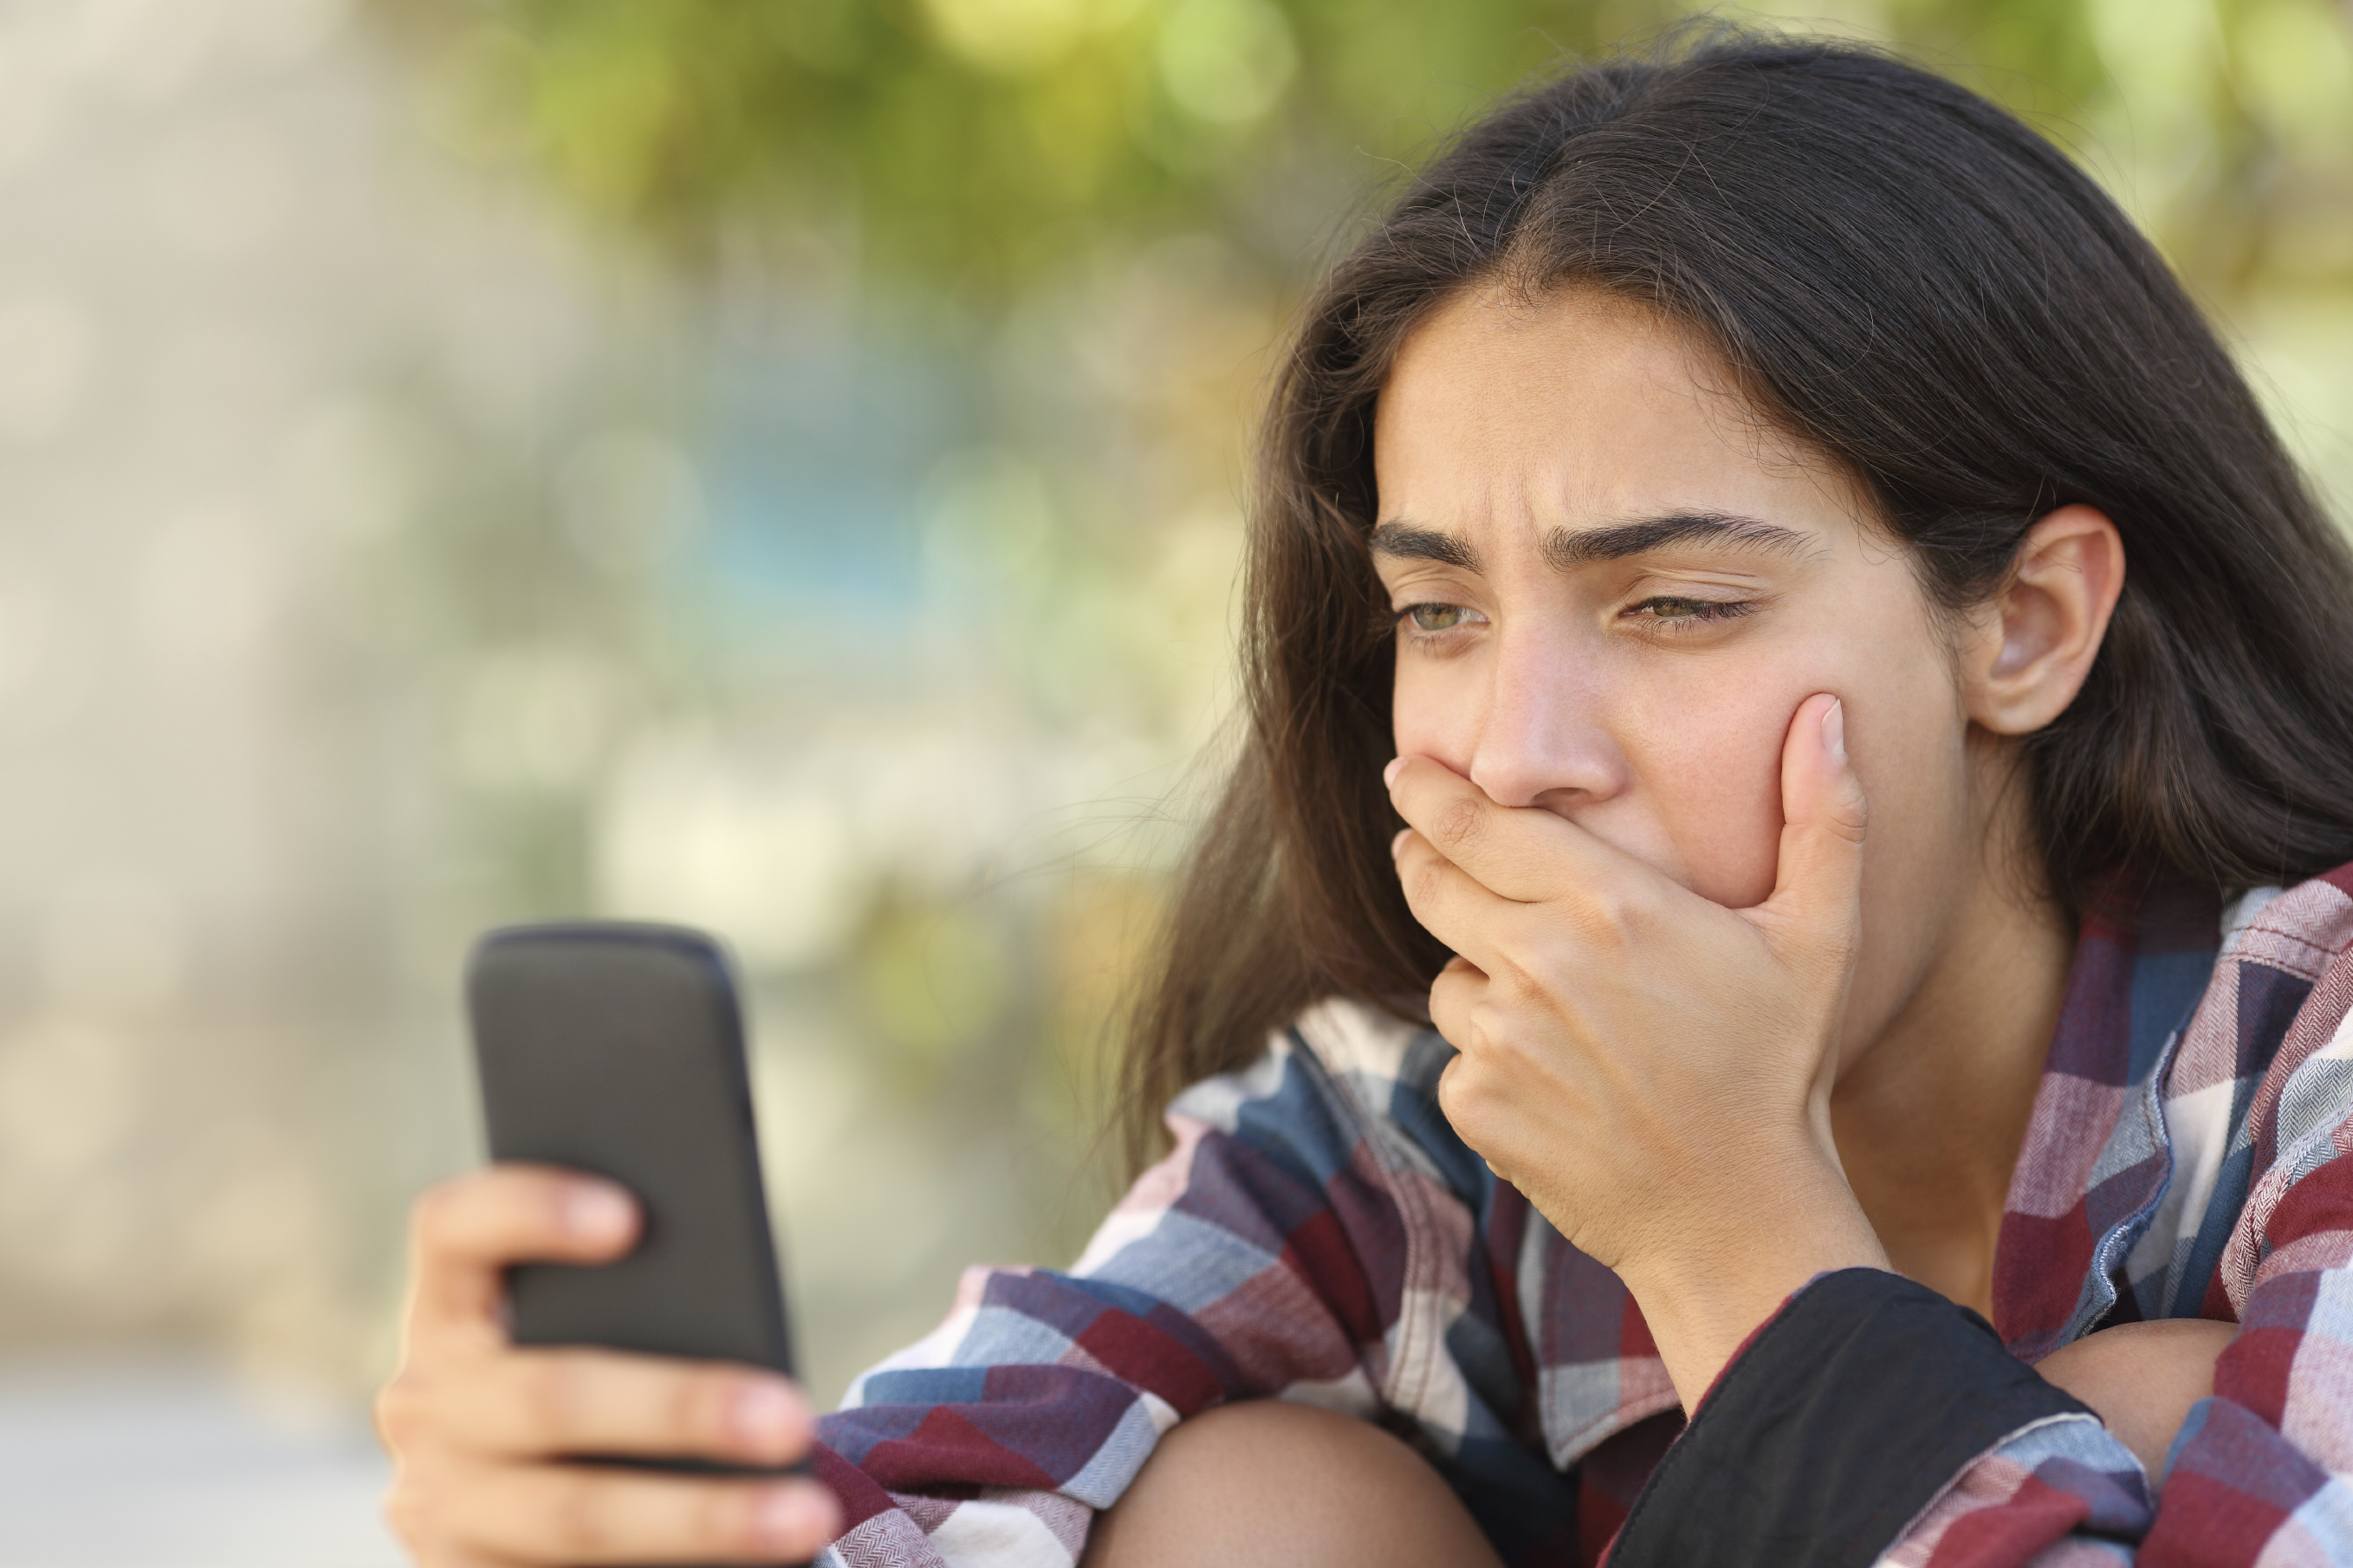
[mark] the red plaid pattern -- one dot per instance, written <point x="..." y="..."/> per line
<point x="1320" y="1233"/>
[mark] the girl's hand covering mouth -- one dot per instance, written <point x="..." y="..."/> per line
<point x="1654" y="1070"/>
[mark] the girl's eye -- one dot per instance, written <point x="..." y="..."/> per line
<point x="1440" y="617"/>
<point x="1677" y="612"/>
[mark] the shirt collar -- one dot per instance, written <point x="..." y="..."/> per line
<point x="2096" y="1159"/>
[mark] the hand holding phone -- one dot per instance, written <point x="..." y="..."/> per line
<point x="487" y="1433"/>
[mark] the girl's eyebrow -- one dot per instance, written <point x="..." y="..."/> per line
<point x="1565" y="547"/>
<point x="1408" y="542"/>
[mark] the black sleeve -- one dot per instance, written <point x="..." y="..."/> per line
<point x="1846" y="1414"/>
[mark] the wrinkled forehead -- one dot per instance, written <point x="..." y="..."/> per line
<point x="1578" y="404"/>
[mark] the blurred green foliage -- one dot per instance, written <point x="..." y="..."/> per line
<point x="972" y="145"/>
<point x="970" y="142"/>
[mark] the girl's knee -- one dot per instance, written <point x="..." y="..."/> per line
<point x="1272" y="1482"/>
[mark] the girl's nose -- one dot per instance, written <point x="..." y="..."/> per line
<point x="1542" y="740"/>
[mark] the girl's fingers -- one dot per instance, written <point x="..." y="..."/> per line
<point x="586" y="1514"/>
<point x="1451" y="904"/>
<point x="1527" y="857"/>
<point x="467" y="1414"/>
<point x="1452" y="995"/>
<point x="465" y="1233"/>
<point x="539" y="1402"/>
<point x="1613" y="911"/>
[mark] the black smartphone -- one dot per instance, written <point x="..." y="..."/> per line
<point x="617" y="1048"/>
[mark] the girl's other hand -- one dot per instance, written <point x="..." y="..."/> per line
<point x="483" y="1432"/>
<point x="1652" y="1069"/>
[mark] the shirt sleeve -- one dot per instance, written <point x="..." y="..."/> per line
<point x="1842" y="1418"/>
<point x="1263" y="1256"/>
<point x="1879" y="1423"/>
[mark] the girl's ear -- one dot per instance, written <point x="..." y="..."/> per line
<point x="2028" y="652"/>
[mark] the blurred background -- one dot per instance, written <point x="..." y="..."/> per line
<point x="769" y="464"/>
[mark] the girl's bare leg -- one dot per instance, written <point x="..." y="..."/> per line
<point x="1270" y="1485"/>
<point x="2142" y="1378"/>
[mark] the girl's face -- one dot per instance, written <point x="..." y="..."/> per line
<point x="1614" y="587"/>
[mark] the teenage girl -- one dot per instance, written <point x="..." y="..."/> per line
<point x="1769" y="984"/>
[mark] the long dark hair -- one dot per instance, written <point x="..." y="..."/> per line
<point x="1904" y="277"/>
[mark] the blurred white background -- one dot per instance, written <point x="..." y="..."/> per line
<point x="380" y="558"/>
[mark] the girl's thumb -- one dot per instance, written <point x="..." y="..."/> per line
<point x="1818" y="888"/>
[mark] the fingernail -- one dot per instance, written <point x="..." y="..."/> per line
<point x="1834" y="733"/>
<point x="762" y="1416"/>
<point x="596" y="1214"/>
<point x="1397" y="845"/>
<point x="1389" y="773"/>
<point x="790" y="1520"/>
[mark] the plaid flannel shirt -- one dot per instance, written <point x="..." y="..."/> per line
<point x="1320" y="1233"/>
